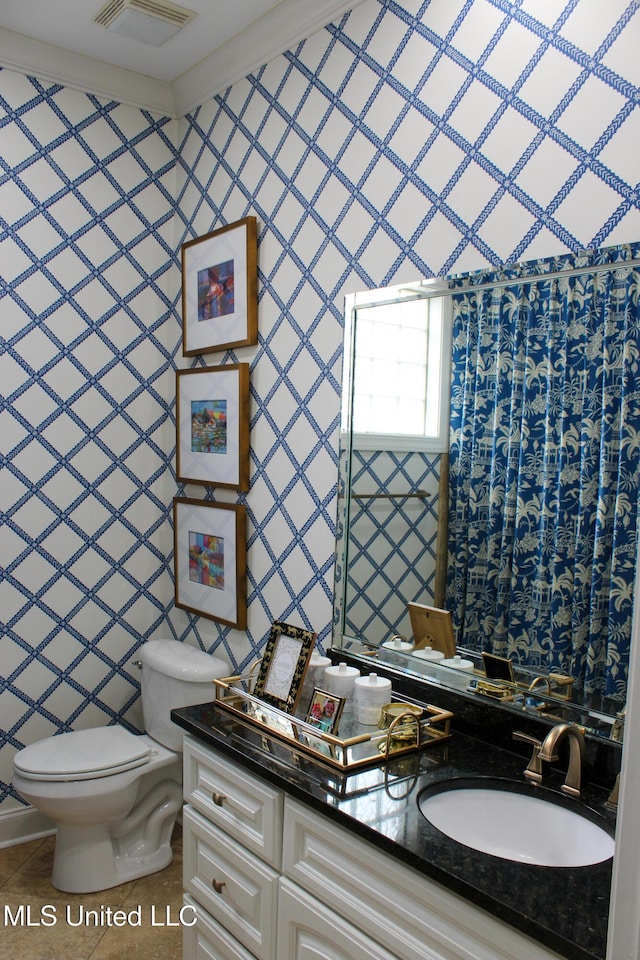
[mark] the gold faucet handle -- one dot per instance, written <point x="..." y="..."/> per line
<point x="534" y="768"/>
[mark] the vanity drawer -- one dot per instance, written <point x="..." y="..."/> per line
<point x="413" y="917"/>
<point x="207" y="940"/>
<point x="236" y="888"/>
<point x="243" y="805"/>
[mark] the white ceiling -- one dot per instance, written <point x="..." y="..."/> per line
<point x="57" y="40"/>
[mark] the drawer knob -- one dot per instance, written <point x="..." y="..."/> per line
<point x="218" y="885"/>
<point x="218" y="799"/>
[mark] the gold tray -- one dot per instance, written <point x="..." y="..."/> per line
<point x="357" y="746"/>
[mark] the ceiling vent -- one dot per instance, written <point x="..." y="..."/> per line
<point x="150" y="21"/>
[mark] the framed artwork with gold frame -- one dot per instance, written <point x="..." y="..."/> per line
<point x="210" y="559"/>
<point x="284" y="665"/>
<point x="220" y="289"/>
<point x="212" y="425"/>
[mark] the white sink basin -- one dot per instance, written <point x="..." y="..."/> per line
<point x="516" y="826"/>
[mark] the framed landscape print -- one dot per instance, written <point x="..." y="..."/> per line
<point x="284" y="665"/>
<point x="212" y="424"/>
<point x="210" y="559"/>
<point x="220" y="289"/>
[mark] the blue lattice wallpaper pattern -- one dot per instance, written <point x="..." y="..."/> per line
<point x="392" y="540"/>
<point x="409" y="139"/>
<point x="87" y="381"/>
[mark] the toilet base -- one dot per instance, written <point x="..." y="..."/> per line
<point x="84" y="862"/>
<point x="92" y="857"/>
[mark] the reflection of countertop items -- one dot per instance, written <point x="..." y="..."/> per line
<point x="425" y="660"/>
<point x="564" y="909"/>
<point x="455" y="672"/>
<point x="395" y="650"/>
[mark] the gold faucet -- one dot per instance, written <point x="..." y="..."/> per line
<point x="549" y="753"/>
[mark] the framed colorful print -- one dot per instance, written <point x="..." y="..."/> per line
<point x="212" y="418"/>
<point x="284" y="665"/>
<point x="220" y="289"/>
<point x="210" y="559"/>
<point x="325" y="711"/>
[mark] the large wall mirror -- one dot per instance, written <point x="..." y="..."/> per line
<point x="490" y="467"/>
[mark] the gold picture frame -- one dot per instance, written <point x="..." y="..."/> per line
<point x="212" y="426"/>
<point x="284" y="665"/>
<point x="325" y="710"/>
<point x="210" y="559"/>
<point x="220" y="289"/>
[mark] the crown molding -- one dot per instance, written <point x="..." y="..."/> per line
<point x="57" y="65"/>
<point x="266" y="38"/>
<point x="262" y="41"/>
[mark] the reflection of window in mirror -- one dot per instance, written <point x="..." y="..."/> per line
<point x="401" y="370"/>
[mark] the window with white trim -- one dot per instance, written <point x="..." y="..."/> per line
<point x="401" y="377"/>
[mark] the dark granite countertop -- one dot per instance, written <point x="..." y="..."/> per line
<point x="566" y="909"/>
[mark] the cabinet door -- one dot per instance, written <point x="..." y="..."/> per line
<point x="236" y="888"/>
<point x="307" y="931"/>
<point x="243" y="805"/>
<point x="207" y="940"/>
<point x="397" y="906"/>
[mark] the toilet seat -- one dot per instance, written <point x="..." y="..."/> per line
<point x="83" y="755"/>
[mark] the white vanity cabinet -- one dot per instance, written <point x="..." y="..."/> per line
<point x="270" y="878"/>
<point x="232" y="849"/>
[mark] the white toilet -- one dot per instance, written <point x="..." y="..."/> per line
<point x="113" y="795"/>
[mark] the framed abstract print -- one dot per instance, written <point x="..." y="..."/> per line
<point x="220" y="289"/>
<point x="210" y="560"/>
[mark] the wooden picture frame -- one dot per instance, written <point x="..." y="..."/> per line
<point x="220" y="289"/>
<point x="432" y="627"/>
<point x="210" y="560"/>
<point x="284" y="665"/>
<point x="212" y="426"/>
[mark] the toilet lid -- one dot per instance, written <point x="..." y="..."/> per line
<point x="83" y="755"/>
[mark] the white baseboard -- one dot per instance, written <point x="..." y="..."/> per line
<point x="20" y="826"/>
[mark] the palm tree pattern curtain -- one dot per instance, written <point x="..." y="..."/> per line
<point x="544" y="465"/>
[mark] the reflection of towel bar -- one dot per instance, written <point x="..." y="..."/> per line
<point x="419" y="494"/>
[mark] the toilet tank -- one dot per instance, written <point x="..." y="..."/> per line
<point x="175" y="675"/>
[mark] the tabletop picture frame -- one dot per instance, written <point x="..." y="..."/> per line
<point x="212" y="426"/>
<point x="220" y="289"/>
<point x="325" y="710"/>
<point x="284" y="665"/>
<point x="210" y="559"/>
<point x="432" y="627"/>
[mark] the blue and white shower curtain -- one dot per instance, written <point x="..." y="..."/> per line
<point x="545" y="465"/>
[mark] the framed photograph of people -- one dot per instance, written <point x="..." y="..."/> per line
<point x="212" y="425"/>
<point x="284" y="665"/>
<point x="325" y="711"/>
<point x="210" y="559"/>
<point x="220" y="289"/>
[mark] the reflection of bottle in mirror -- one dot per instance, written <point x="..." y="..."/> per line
<point x="426" y="660"/>
<point x="455" y="672"/>
<point x="396" y="650"/>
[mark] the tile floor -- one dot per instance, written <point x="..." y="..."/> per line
<point x="24" y="880"/>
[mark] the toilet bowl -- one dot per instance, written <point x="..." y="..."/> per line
<point x="114" y="795"/>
